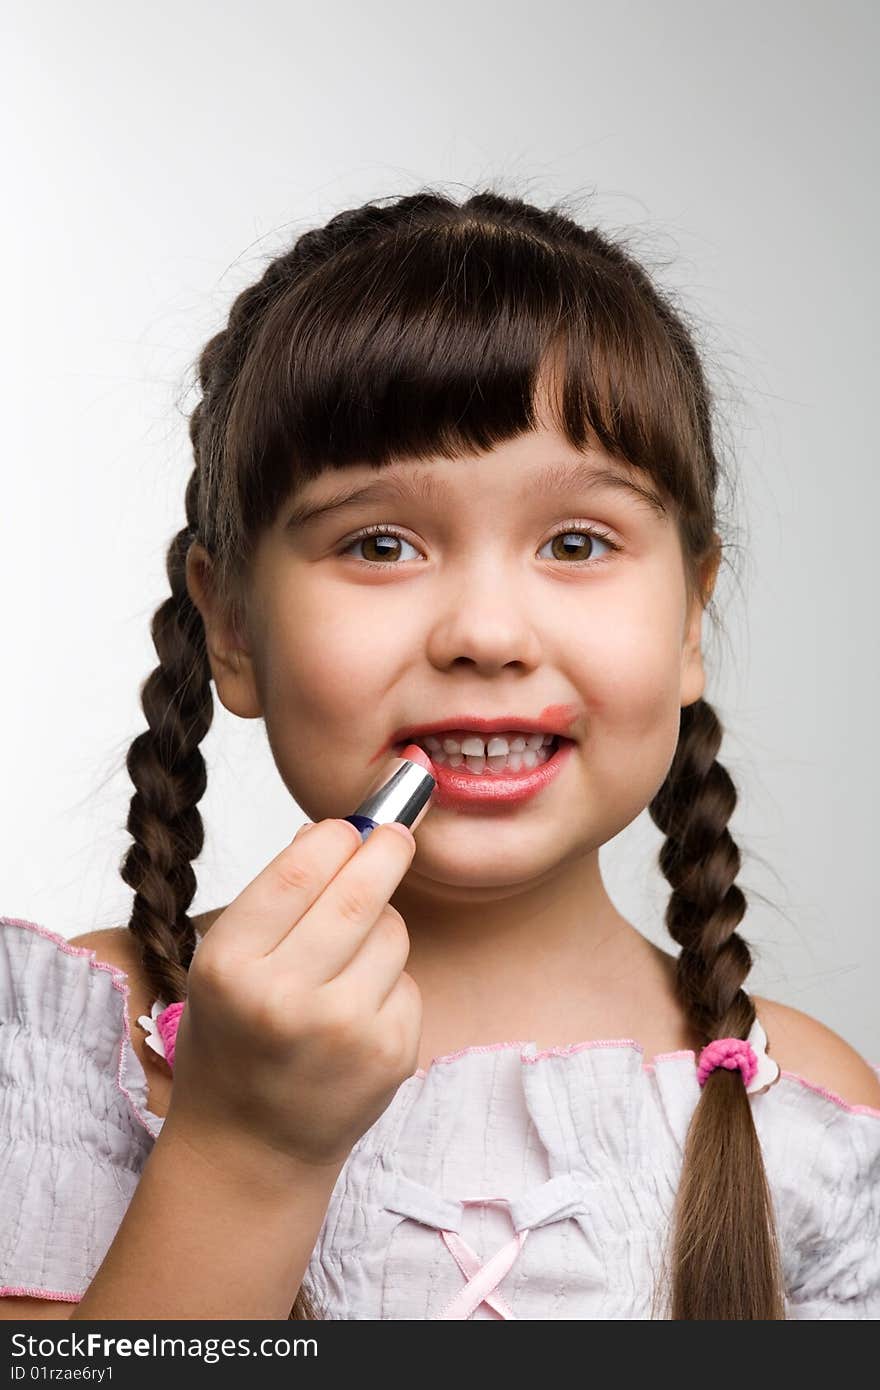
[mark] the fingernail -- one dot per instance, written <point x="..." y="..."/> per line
<point x="352" y="827"/>
<point x="304" y="828"/>
<point x="402" y="830"/>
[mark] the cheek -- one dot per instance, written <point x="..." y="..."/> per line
<point x="628" y="677"/>
<point x="327" y="670"/>
<point x="322" y="650"/>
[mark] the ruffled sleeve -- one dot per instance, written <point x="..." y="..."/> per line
<point x="75" y="1131"/>
<point x="833" y="1199"/>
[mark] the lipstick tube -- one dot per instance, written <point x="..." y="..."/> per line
<point x="404" y="796"/>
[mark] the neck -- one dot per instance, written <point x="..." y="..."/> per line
<point x="562" y="931"/>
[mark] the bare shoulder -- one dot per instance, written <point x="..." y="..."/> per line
<point x="112" y="946"/>
<point x="116" y="946"/>
<point x="801" y="1044"/>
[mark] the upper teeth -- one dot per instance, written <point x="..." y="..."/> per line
<point x="496" y="746"/>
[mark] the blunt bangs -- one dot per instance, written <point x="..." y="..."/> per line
<point x="447" y="341"/>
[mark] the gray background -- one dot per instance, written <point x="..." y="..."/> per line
<point x="155" y="156"/>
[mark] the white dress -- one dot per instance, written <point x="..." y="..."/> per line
<point x="502" y="1182"/>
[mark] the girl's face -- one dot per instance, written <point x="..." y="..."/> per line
<point x="476" y="609"/>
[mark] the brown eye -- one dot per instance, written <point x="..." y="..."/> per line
<point x="569" y="545"/>
<point x="381" y="545"/>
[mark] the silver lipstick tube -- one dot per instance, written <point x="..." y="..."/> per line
<point x="404" y="796"/>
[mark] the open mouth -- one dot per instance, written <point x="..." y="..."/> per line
<point x="466" y="783"/>
<point x="511" y="765"/>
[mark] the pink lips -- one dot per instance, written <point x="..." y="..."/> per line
<point x="415" y="754"/>
<point x="471" y="791"/>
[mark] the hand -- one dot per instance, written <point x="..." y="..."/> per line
<point x="301" y="1022"/>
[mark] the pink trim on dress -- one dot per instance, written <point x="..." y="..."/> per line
<point x="521" y="1042"/>
<point x="671" y="1056"/>
<point x="463" y="1052"/>
<point x="118" y="978"/>
<point x="832" y="1095"/>
<point x="7" y="1292"/>
<point x="688" y="1053"/>
<point x="581" y="1046"/>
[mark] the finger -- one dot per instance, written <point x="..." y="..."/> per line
<point x="331" y="931"/>
<point x="272" y="903"/>
<point x="374" y="970"/>
<point x="404" y="1012"/>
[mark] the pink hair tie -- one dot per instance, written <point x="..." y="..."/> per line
<point x="161" y="1025"/>
<point x="168" y="1023"/>
<point x="730" y="1053"/>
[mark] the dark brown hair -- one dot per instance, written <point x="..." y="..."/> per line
<point x="415" y="327"/>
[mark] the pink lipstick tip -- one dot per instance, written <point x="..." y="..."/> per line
<point x="415" y="754"/>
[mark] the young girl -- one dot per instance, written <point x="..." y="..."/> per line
<point x="455" y="483"/>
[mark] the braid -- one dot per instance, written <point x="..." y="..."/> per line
<point x="169" y="776"/>
<point x="724" y="1206"/>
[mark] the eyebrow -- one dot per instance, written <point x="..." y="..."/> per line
<point x="424" y="486"/>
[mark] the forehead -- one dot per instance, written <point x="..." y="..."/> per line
<point x="527" y="468"/>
